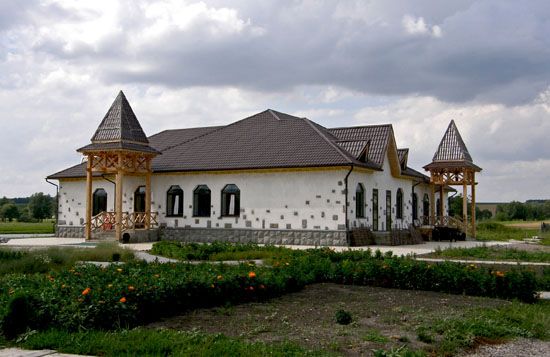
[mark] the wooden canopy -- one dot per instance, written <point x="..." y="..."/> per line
<point x="452" y="165"/>
<point x="120" y="147"/>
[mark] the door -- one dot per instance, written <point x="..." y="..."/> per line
<point x="139" y="199"/>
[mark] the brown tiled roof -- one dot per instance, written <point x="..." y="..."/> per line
<point x="119" y="129"/>
<point x="452" y="152"/>
<point x="378" y="135"/>
<point x="269" y="139"/>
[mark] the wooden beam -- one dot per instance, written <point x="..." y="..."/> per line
<point x="148" y="195"/>
<point x="118" y="199"/>
<point x="464" y="202"/>
<point x="88" y="230"/>
<point x="432" y="204"/>
<point x="473" y="204"/>
<point x="441" y="203"/>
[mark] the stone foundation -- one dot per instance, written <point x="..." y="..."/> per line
<point x="290" y="237"/>
<point x="69" y="231"/>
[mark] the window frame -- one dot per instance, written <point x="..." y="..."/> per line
<point x="196" y="212"/>
<point x="95" y="199"/>
<point x="360" y="201"/>
<point x="172" y="192"/>
<point x="399" y="204"/>
<point x="375" y="210"/>
<point x="224" y="207"/>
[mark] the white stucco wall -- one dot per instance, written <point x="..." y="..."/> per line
<point x="311" y="200"/>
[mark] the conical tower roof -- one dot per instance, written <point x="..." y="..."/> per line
<point x="119" y="129"/>
<point x="452" y="151"/>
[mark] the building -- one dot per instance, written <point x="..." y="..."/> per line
<point x="269" y="178"/>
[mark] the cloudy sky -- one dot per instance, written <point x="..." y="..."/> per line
<point x="414" y="64"/>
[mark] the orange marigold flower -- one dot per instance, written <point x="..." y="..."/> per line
<point x="119" y="270"/>
<point x="122" y="299"/>
<point x="251" y="288"/>
<point x="499" y="274"/>
<point x="220" y="277"/>
<point x="251" y="275"/>
<point x="212" y="286"/>
<point x="131" y="288"/>
<point x="262" y="286"/>
<point x="110" y="285"/>
<point x="86" y="291"/>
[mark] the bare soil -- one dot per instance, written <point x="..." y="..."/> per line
<point x="382" y="318"/>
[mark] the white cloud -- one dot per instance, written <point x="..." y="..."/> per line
<point x="417" y="26"/>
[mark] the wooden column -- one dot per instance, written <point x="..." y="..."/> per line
<point x="118" y="200"/>
<point x="473" y="204"/>
<point x="441" y="203"/>
<point x="148" y="195"/>
<point x="89" y="203"/>
<point x="432" y="204"/>
<point x="465" y="198"/>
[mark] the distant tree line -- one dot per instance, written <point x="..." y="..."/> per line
<point x="533" y="210"/>
<point x="27" y="209"/>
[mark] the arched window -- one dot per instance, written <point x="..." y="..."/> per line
<point x="360" y="201"/>
<point x="201" y="201"/>
<point x="231" y="200"/>
<point x="174" y="201"/>
<point x="139" y="199"/>
<point x="399" y="204"/>
<point x="415" y="206"/>
<point x="99" y="201"/>
<point x="426" y="205"/>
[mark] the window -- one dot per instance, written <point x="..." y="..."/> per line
<point x="415" y="206"/>
<point x="99" y="201"/>
<point x="174" y="201"/>
<point x="360" y="201"/>
<point x="426" y="205"/>
<point x="231" y="200"/>
<point x="139" y="199"/>
<point x="399" y="204"/>
<point x="201" y="201"/>
<point x="375" y="209"/>
<point x="388" y="210"/>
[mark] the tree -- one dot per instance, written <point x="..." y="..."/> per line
<point x="4" y="200"/>
<point x="9" y="211"/>
<point x="455" y="206"/>
<point x="40" y="206"/>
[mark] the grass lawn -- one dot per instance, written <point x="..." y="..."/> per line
<point x="44" y="227"/>
<point x="504" y="231"/>
<point x="303" y="323"/>
<point x="494" y="253"/>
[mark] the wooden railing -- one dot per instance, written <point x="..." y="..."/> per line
<point x="443" y="221"/>
<point x="135" y="220"/>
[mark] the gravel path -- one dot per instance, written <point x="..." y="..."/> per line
<point x="518" y="347"/>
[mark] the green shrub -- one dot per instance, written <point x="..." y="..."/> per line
<point x="20" y="315"/>
<point x="343" y="317"/>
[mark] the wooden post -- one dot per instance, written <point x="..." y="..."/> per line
<point x="148" y="195"/>
<point x="441" y="203"/>
<point x="432" y="204"/>
<point x="118" y="195"/>
<point x="465" y="198"/>
<point x="473" y="204"/>
<point x="88" y="231"/>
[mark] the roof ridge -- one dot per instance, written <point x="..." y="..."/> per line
<point x="273" y="113"/>
<point x="359" y="126"/>
<point x="330" y="142"/>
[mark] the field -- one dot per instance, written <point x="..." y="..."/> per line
<point x="44" y="227"/>
<point x="504" y="231"/>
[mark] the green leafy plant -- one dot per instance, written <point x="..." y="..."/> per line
<point x="343" y="317"/>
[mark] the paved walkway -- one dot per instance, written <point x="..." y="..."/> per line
<point x="467" y="261"/>
<point x="17" y="352"/>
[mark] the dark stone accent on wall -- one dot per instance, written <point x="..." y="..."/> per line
<point x="227" y="225"/>
<point x="248" y="224"/>
<point x="209" y="223"/>
<point x="335" y="217"/>
<point x="340" y="183"/>
<point x="342" y="226"/>
<point x="288" y="226"/>
<point x="274" y="225"/>
<point x="304" y="223"/>
<point x="275" y="236"/>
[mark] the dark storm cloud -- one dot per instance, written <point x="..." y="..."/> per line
<point x="492" y="51"/>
